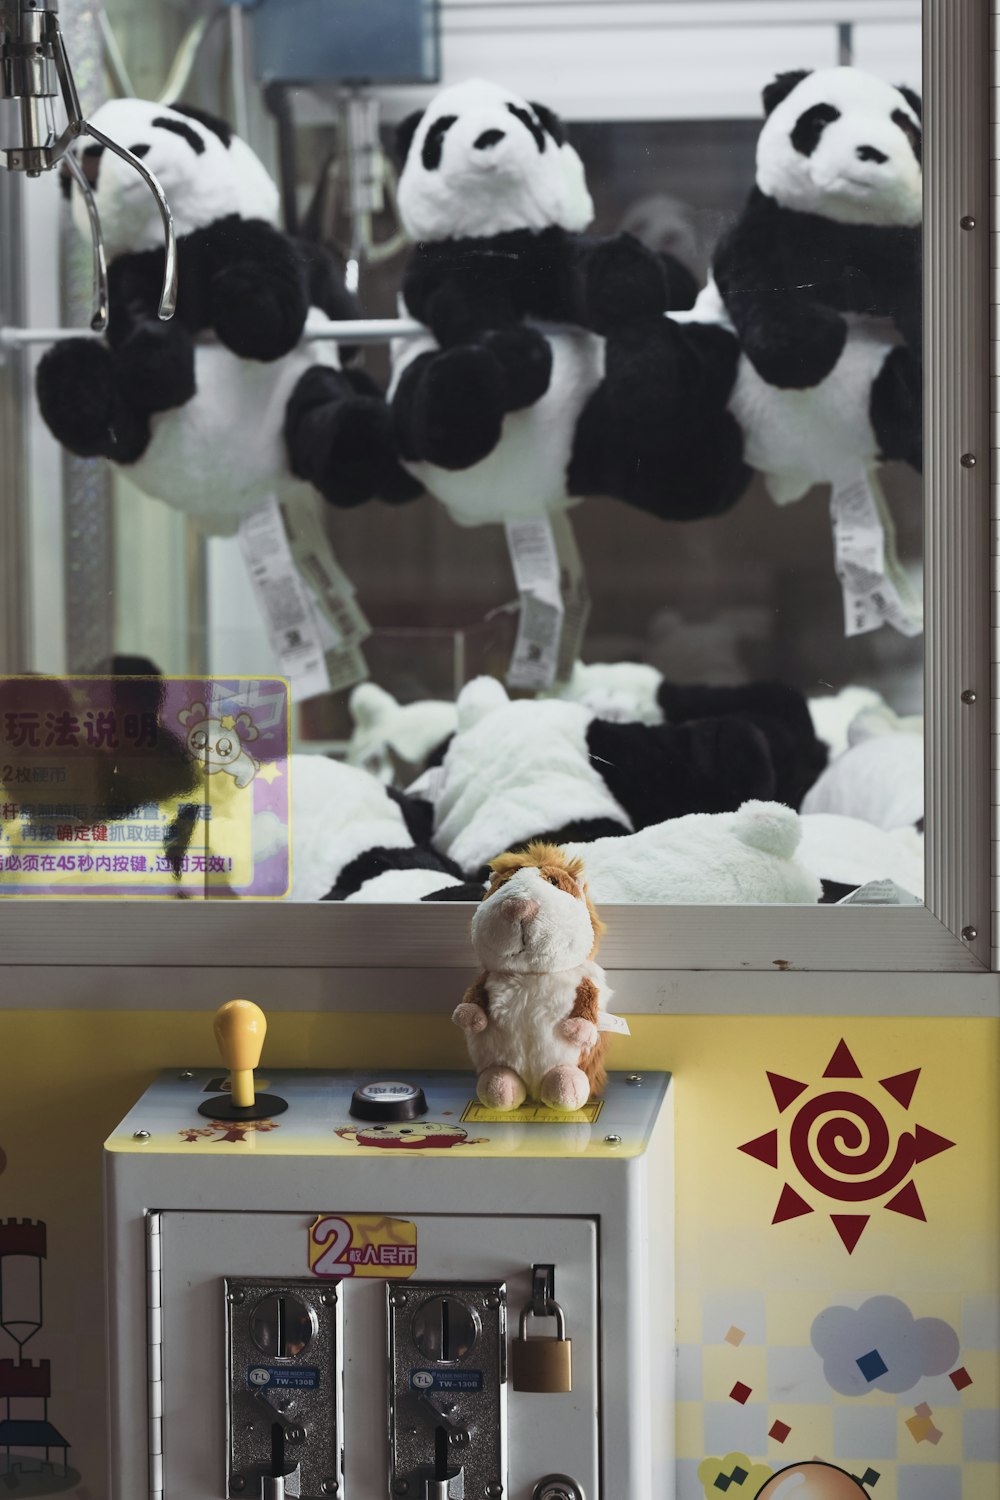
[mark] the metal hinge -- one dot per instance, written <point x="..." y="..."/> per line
<point x="154" y="1356"/>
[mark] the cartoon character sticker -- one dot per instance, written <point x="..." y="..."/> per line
<point x="220" y="744"/>
<point x="427" y="1136"/>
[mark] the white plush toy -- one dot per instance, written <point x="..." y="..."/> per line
<point x="350" y="839"/>
<point x="623" y="691"/>
<point x="535" y="1019"/>
<point x="850" y="852"/>
<point x="390" y="738"/>
<point x="746" y="858"/>
<point x="879" y="779"/>
<point x="231" y="401"/>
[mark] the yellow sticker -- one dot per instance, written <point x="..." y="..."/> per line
<point x="531" y="1114"/>
<point x="362" y="1245"/>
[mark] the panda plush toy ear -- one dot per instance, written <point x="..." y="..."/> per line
<point x="405" y="131"/>
<point x="550" y="122"/>
<point x="912" y="98"/>
<point x="780" y="87"/>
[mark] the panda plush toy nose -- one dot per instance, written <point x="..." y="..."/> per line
<point x="489" y="138"/>
<point x="871" y="153"/>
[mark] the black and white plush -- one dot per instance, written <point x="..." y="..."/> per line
<point x="485" y="408"/>
<point x="228" y="402"/>
<point x="809" y="329"/>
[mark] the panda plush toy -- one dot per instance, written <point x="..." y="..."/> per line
<point x="229" y="402"/>
<point x="808" y="331"/>
<point x="485" y="407"/>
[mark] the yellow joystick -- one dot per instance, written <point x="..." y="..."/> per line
<point x="240" y="1028"/>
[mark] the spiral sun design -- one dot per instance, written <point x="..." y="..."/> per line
<point x="843" y="1148"/>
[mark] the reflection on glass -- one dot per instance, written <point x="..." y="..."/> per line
<point x="618" y="542"/>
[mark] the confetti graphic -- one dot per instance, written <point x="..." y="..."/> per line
<point x="779" y="1431"/>
<point x="735" y="1475"/>
<point x="741" y="1393"/>
<point x="843" y="1150"/>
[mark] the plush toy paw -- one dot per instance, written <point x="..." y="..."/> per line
<point x="471" y="1018"/>
<point x="458" y="407"/>
<point x="565" y="1088"/>
<point x="579" y="1031"/>
<point x="500" y="1088"/>
<point x="258" y="318"/>
<point x="525" y="358"/>
<point x="896" y="408"/>
<point x="338" y="436"/>
<point x="155" y="365"/>
<point x="795" y="347"/>
<point x="80" y="400"/>
<point x="623" y="282"/>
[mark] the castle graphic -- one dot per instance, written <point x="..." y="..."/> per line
<point x="33" y="1453"/>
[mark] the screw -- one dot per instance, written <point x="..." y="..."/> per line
<point x="140" y="1135"/>
<point x="460" y="1439"/>
<point x="296" y="1434"/>
<point x="969" y="696"/>
<point x="492" y="1300"/>
<point x="967" y="222"/>
<point x="612" y="1140"/>
<point x="237" y="1483"/>
<point x="398" y="1299"/>
<point x="401" y="1487"/>
<point x="327" y="1297"/>
<point x="237" y="1295"/>
<point x="634" y="1078"/>
<point x="969" y="934"/>
<point x="494" y="1491"/>
<point x="330" y="1486"/>
<point x="968" y="460"/>
<point x="186" y="1076"/>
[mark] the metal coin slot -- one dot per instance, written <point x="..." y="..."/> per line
<point x="445" y="1330"/>
<point x="282" y="1326"/>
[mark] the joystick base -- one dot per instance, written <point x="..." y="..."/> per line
<point x="221" y="1107"/>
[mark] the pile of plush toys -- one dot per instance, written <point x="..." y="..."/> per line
<point x="555" y="365"/>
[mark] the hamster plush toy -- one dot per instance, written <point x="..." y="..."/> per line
<point x="809" y="329"/>
<point x="214" y="426"/>
<point x="533" y="1019"/>
<point x="485" y="407"/>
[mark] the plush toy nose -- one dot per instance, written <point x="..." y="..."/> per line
<point x="520" y="908"/>
<point x="871" y="153"/>
<point x="489" y="138"/>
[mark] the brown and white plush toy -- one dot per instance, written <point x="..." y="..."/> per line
<point x="535" y="1020"/>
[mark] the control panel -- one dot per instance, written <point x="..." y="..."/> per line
<point x="383" y="1289"/>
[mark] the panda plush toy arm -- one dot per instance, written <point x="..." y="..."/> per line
<point x="832" y="226"/>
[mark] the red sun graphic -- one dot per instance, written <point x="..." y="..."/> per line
<point x="842" y="1148"/>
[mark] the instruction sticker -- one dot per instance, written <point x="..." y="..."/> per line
<point x="446" y="1380"/>
<point x="531" y="1114"/>
<point x="269" y="1377"/>
<point x="362" y="1245"/>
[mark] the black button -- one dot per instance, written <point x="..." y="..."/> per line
<point x="388" y="1102"/>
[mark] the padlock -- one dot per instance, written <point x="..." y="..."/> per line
<point x="542" y="1364"/>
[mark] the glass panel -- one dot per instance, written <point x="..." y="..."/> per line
<point x="623" y="528"/>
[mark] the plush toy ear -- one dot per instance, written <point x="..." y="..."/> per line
<point x="780" y="88"/>
<point x="370" y="705"/>
<point x="913" y="99"/>
<point x="478" y="698"/>
<point x="405" y="131"/>
<point x="550" y="122"/>
<point x="211" y="122"/>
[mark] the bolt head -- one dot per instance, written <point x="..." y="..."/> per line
<point x="185" y="1076"/>
<point x="237" y="1483"/>
<point x="968" y="460"/>
<point x="967" y="221"/>
<point x="634" y="1078"/>
<point x="326" y="1298"/>
<point x="612" y="1140"/>
<point x="969" y="696"/>
<point x="401" y="1487"/>
<point x="398" y="1299"/>
<point x="494" y="1491"/>
<point x="330" y="1486"/>
<point x="140" y="1135"/>
<point x="969" y="934"/>
<point x="236" y="1295"/>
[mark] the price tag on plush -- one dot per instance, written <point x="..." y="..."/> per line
<point x="553" y="598"/>
<point x="289" y="616"/>
<point x="876" y="590"/>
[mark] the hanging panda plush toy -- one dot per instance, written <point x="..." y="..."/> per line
<point x="485" y="407"/>
<point x="230" y="401"/>
<point x="808" y="331"/>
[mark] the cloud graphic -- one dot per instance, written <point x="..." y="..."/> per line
<point x="881" y="1346"/>
<point x="741" y="1477"/>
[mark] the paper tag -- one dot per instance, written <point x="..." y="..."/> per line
<point x="429" y="786"/>
<point x="554" y="602"/>
<point x="331" y="590"/>
<point x="607" y="1022"/>
<point x="284" y="603"/>
<point x="876" y="590"/>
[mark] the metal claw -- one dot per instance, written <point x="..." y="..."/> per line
<point x="168" y="296"/>
<point x="99" y="320"/>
